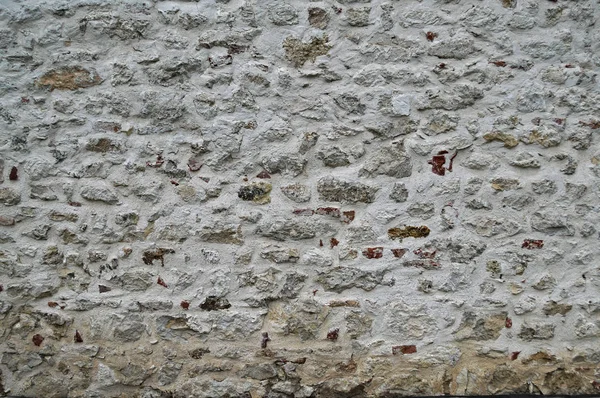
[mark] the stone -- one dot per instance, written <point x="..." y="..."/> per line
<point x="525" y="160"/>
<point x="42" y="192"/>
<point x="392" y="161"/>
<point x="135" y="281"/>
<point x="287" y="164"/>
<point x="296" y="192"/>
<point x="69" y="78"/>
<point x="318" y="17"/>
<point x="281" y="229"/>
<point x="545" y="282"/>
<point x="299" y="52"/>
<point x="214" y="303"/>
<point x="480" y="327"/>
<point x="399" y="192"/>
<point x="552" y="308"/>
<point x="509" y="140"/>
<point x="544" y="187"/>
<point x="219" y="233"/>
<point x="424" y="211"/>
<point x="257" y="192"/>
<point x="339" y="279"/>
<point x="544" y="136"/>
<point x="458" y="97"/>
<point x="9" y="197"/>
<point x="99" y="193"/>
<point x="358" y="16"/>
<point x="536" y="331"/>
<point x="333" y="189"/>
<point x="458" y="47"/>
<point x="408" y="232"/>
<point x="278" y="254"/>
<point x="283" y="14"/>
<point x="350" y="103"/>
<point x="129" y="329"/>
<point x="552" y="223"/>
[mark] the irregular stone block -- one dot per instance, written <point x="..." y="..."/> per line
<point x="69" y="78"/>
<point x="333" y="189"/>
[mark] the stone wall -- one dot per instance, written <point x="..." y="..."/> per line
<point x="350" y="198"/>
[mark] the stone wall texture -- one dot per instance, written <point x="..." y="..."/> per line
<point x="294" y="198"/>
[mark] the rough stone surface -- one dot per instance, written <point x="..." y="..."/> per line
<point x="357" y="198"/>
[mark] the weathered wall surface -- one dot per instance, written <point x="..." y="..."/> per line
<point x="352" y="198"/>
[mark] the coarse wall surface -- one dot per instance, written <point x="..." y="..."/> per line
<point x="350" y="198"/>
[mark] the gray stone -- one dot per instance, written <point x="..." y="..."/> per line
<point x="536" y="331"/>
<point x="283" y="14"/>
<point x="282" y="229"/>
<point x="333" y="189"/>
<point x="339" y="279"/>
<point x="544" y="187"/>
<point x="525" y="160"/>
<point x="278" y="254"/>
<point x="9" y="197"/>
<point x="287" y="164"/>
<point x="424" y="211"/>
<point x="552" y="223"/>
<point x="458" y="47"/>
<point x="129" y="329"/>
<point x="358" y="16"/>
<point x="399" y="192"/>
<point x="99" y="192"/>
<point x="392" y="161"/>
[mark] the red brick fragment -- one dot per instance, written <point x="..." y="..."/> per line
<point x="373" y="252"/>
<point x="424" y="253"/>
<point x="78" y="338"/>
<point x="328" y="211"/>
<point x="161" y="282"/>
<point x="404" y="349"/>
<point x="263" y="174"/>
<point x="264" y="340"/>
<point x="303" y="212"/>
<point x="569" y="66"/>
<point x="508" y="323"/>
<point x="431" y="36"/>
<point x="438" y="161"/>
<point x="37" y="339"/>
<point x="559" y="121"/>
<point x="333" y="334"/>
<point x="532" y="244"/>
<point x="514" y="355"/>
<point x="333" y="242"/>
<point x="52" y="304"/>
<point x="175" y="183"/>
<point x="501" y="64"/>
<point x="185" y="304"/>
<point x="596" y="384"/>
<point x="593" y="124"/>
<point x="299" y="361"/>
<point x="14" y="174"/>
<point x="399" y="253"/>
<point x="207" y="180"/>
<point x="75" y="204"/>
<point x="321" y="242"/>
<point x="348" y="216"/>
<point x="194" y="165"/>
<point x="1" y="288"/>
<point x="159" y="162"/>
<point x="7" y="221"/>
